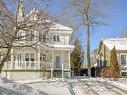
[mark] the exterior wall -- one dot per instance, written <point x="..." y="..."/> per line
<point x="21" y="75"/>
<point x="104" y="54"/>
<point x="64" y="38"/>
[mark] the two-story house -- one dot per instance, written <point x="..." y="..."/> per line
<point x="49" y="57"/>
<point x="103" y="56"/>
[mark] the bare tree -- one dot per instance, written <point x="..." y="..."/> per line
<point x="89" y="13"/>
<point x="19" y="20"/>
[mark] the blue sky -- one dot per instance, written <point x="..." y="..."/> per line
<point x="117" y="19"/>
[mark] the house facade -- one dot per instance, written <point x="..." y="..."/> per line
<point x="103" y="56"/>
<point x="49" y="56"/>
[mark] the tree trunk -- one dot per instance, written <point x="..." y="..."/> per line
<point x="88" y="45"/>
<point x="4" y="59"/>
<point x="8" y="49"/>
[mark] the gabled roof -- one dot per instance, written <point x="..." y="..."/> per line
<point x="57" y="26"/>
<point x="119" y="43"/>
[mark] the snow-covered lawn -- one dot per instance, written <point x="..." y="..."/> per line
<point x="8" y="87"/>
<point x="52" y="87"/>
<point x="86" y="86"/>
<point x="121" y="82"/>
<point x="35" y="87"/>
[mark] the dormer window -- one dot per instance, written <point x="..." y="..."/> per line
<point x="56" y="38"/>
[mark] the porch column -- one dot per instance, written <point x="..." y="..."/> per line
<point x="62" y="66"/>
<point x="12" y="58"/>
<point x="38" y="66"/>
<point x="69" y="64"/>
<point x="52" y="64"/>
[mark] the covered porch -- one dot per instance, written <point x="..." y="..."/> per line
<point x="55" y="62"/>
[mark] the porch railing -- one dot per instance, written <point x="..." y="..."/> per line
<point x="31" y="65"/>
<point x="21" y="65"/>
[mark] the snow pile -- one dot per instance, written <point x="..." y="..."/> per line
<point x="121" y="83"/>
<point x="95" y="86"/>
<point x="4" y="91"/>
<point x="78" y="90"/>
<point x="17" y="89"/>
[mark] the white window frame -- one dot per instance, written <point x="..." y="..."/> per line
<point x="30" y="56"/>
<point x="56" y="37"/>
<point x="126" y="58"/>
<point x="27" y="57"/>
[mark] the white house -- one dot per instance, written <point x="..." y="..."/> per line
<point x="27" y="62"/>
<point x="51" y="55"/>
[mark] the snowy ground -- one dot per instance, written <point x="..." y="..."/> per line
<point x="8" y="87"/>
<point x="97" y="86"/>
<point x="85" y="86"/>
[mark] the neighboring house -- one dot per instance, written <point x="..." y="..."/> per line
<point x="103" y="57"/>
<point x="51" y="54"/>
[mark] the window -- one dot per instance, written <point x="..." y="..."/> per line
<point x="19" y="57"/>
<point x="56" y="38"/>
<point x="124" y="73"/>
<point x="44" y="38"/>
<point x="40" y="57"/>
<point x="57" y="62"/>
<point x="32" y="56"/>
<point x="26" y="56"/>
<point x="40" y="37"/>
<point x="29" y="57"/>
<point x="123" y="59"/>
<point x="44" y="57"/>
